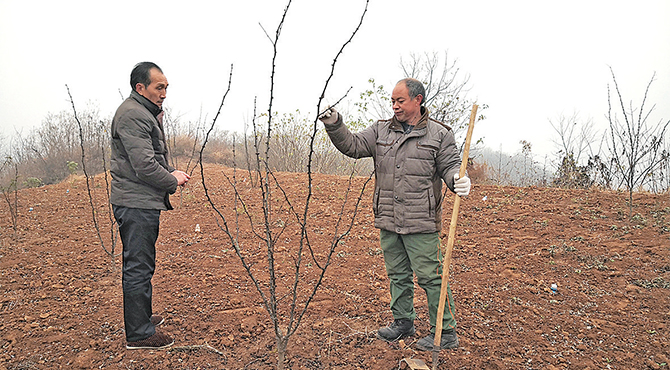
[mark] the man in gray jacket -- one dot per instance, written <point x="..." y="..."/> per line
<point x="142" y="180"/>
<point x="413" y="154"/>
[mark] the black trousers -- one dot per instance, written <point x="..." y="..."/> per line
<point x="139" y="230"/>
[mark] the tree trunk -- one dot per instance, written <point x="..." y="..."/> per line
<point x="281" y="352"/>
<point x="630" y="204"/>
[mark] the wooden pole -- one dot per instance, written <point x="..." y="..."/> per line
<point x="450" y="241"/>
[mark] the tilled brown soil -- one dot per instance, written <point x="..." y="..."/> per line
<point x="61" y="304"/>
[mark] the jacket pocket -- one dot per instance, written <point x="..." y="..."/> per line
<point x="421" y="160"/>
<point x="375" y="202"/>
<point x="384" y="142"/>
<point x="425" y="146"/>
<point x="383" y="146"/>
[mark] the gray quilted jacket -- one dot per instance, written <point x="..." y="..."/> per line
<point x="409" y="170"/>
<point x="141" y="175"/>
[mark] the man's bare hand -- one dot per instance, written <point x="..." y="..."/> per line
<point x="181" y="176"/>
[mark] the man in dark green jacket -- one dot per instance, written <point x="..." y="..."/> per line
<point x="413" y="154"/>
<point x="142" y="180"/>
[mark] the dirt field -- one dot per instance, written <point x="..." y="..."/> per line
<point x="61" y="304"/>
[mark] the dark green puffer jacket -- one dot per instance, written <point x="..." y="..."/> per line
<point x="409" y="170"/>
<point x="141" y="175"/>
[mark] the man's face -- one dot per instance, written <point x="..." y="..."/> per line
<point x="404" y="108"/>
<point x="157" y="89"/>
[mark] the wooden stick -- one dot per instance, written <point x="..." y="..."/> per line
<point x="450" y="241"/>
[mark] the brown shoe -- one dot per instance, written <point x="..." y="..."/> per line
<point x="157" y="320"/>
<point x="157" y="341"/>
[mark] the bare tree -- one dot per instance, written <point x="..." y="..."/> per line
<point x="9" y="173"/>
<point x="374" y="104"/>
<point x="528" y="163"/>
<point x="446" y="93"/>
<point x="574" y="136"/>
<point x="45" y="151"/>
<point x="2" y="145"/>
<point x="446" y="87"/>
<point x="575" y="139"/>
<point x="661" y="178"/>
<point x="635" y="144"/>
<point x="283" y="286"/>
<point x="289" y="147"/>
<point x="184" y="140"/>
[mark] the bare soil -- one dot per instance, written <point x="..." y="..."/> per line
<point x="61" y="305"/>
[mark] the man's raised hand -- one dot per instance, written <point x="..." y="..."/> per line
<point x="329" y="116"/>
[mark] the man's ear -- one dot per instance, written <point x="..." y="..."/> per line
<point x="420" y="100"/>
<point x="140" y="87"/>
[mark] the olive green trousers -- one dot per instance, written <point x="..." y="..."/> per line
<point x="406" y="255"/>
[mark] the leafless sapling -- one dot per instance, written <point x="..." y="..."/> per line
<point x="635" y="144"/>
<point x="283" y="286"/>
<point x="10" y="191"/>
<point x="111" y="247"/>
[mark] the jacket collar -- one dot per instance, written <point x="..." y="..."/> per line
<point x="423" y="121"/>
<point x="146" y="103"/>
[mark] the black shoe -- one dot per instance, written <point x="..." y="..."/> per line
<point x="398" y="329"/>
<point x="448" y="340"/>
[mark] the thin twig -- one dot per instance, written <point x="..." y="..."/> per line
<point x="294" y="321"/>
<point x="336" y="103"/>
<point x="197" y="347"/>
<point x="88" y="185"/>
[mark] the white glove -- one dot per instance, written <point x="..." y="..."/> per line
<point x="329" y="117"/>
<point x="461" y="186"/>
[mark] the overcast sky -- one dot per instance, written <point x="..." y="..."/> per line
<point x="529" y="61"/>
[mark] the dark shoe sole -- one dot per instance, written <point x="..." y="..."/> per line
<point x="128" y="346"/>
<point x="450" y="345"/>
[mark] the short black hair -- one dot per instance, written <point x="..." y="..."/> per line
<point x="142" y="73"/>
<point x="414" y="88"/>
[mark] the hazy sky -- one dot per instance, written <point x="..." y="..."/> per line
<point x="529" y="61"/>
